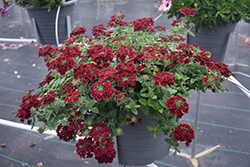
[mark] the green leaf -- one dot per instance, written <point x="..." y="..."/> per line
<point x="150" y="128"/>
<point x="226" y="11"/>
<point x="150" y="103"/>
<point x="143" y="90"/>
<point x="143" y="101"/>
<point x="95" y="110"/>
<point x="64" y="123"/>
<point x="145" y="109"/>
<point x="191" y="33"/>
<point x="161" y="110"/>
<point x="128" y="106"/>
<point x="154" y="122"/>
<point x="169" y="141"/>
<point x="191" y="127"/>
<point x="162" y="103"/>
<point x="154" y="97"/>
<point x="123" y="124"/>
<point x="134" y="111"/>
<point x="156" y="104"/>
<point x="224" y="17"/>
<point x="171" y="91"/>
<point x="177" y="76"/>
<point x="144" y="94"/>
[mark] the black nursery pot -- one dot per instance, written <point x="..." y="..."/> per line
<point x="216" y="43"/>
<point x="138" y="147"/>
<point x="45" y="22"/>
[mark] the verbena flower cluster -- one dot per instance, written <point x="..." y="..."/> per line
<point x="177" y="105"/>
<point x="183" y="132"/>
<point x="95" y="86"/>
<point x="97" y="144"/>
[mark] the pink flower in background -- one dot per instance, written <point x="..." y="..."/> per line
<point x="6" y="3"/>
<point x="165" y="6"/>
<point x="3" y="12"/>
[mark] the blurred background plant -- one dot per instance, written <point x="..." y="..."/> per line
<point x="31" y="4"/>
<point x="212" y="13"/>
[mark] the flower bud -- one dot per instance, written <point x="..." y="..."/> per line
<point x="166" y="62"/>
<point x="191" y="24"/>
<point x="145" y="77"/>
<point x="187" y="94"/>
<point x="86" y="132"/>
<point x="119" y="131"/>
<point x="133" y="105"/>
<point x="41" y="130"/>
<point x="88" y="123"/>
<point x="75" y="82"/>
<point x="156" y="69"/>
<point x="89" y="104"/>
<point x="151" y="94"/>
<point x="133" y="119"/>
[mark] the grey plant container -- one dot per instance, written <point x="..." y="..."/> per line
<point x="45" y="22"/>
<point x="138" y="147"/>
<point x="216" y="43"/>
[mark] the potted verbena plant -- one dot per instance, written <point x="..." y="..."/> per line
<point x="37" y="4"/>
<point x="44" y="12"/>
<point x="132" y="81"/>
<point x="213" y="22"/>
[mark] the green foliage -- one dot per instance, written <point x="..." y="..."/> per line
<point x="39" y="3"/>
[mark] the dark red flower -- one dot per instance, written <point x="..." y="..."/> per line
<point x="120" y="96"/>
<point x="164" y="78"/>
<point x="78" y="113"/>
<point x="139" y="120"/>
<point x="174" y="22"/>
<point x="128" y="120"/>
<point x="144" y="24"/>
<point x="177" y="105"/>
<point x="78" y="31"/>
<point x="98" y="30"/>
<point x="132" y="124"/>
<point x="216" y="79"/>
<point x="183" y="132"/>
<point x="160" y="28"/>
<point x="205" y="79"/>
<point x="117" y="20"/>
<point x="187" y="11"/>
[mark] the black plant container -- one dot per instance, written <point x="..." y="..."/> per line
<point x="138" y="147"/>
<point x="45" y="22"/>
<point x="216" y="43"/>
